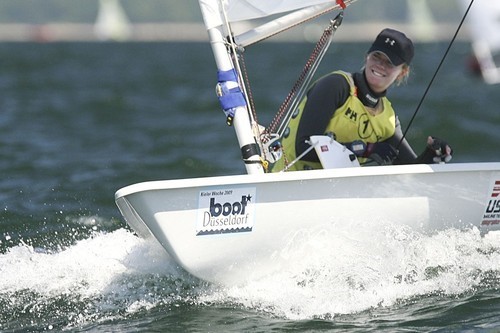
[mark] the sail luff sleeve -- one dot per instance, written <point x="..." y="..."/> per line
<point x="229" y="93"/>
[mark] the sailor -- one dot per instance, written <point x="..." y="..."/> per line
<point x="353" y="108"/>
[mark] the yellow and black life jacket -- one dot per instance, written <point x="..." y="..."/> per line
<point x="350" y="122"/>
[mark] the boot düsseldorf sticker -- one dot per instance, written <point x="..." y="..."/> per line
<point x="225" y="210"/>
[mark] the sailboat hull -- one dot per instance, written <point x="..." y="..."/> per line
<point x="231" y="229"/>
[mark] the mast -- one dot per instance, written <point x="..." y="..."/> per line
<point x="230" y="88"/>
<point x="231" y="95"/>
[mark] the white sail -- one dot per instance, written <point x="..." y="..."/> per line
<point x="420" y="16"/>
<point x="112" y="22"/>
<point x="484" y="25"/>
<point x="239" y="10"/>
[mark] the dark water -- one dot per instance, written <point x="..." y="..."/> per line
<point x="79" y="121"/>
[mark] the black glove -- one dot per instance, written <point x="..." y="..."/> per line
<point x="381" y="152"/>
<point x="437" y="151"/>
<point x="440" y="150"/>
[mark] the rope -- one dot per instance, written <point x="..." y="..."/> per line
<point x="247" y="84"/>
<point x="312" y="63"/>
<point x="435" y="73"/>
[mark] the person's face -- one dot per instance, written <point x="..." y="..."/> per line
<point x="380" y="72"/>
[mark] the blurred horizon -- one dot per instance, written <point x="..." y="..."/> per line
<point x="173" y="20"/>
<point x="154" y="11"/>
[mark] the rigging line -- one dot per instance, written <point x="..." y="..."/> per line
<point x="301" y="90"/>
<point x="435" y="74"/>
<point x="281" y="119"/>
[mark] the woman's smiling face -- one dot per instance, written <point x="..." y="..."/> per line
<point x="380" y="72"/>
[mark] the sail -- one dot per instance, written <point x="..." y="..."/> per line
<point x="112" y="22"/>
<point x="421" y="20"/>
<point x="239" y="10"/>
<point x="484" y="26"/>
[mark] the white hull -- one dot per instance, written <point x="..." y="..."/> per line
<point x="231" y="229"/>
